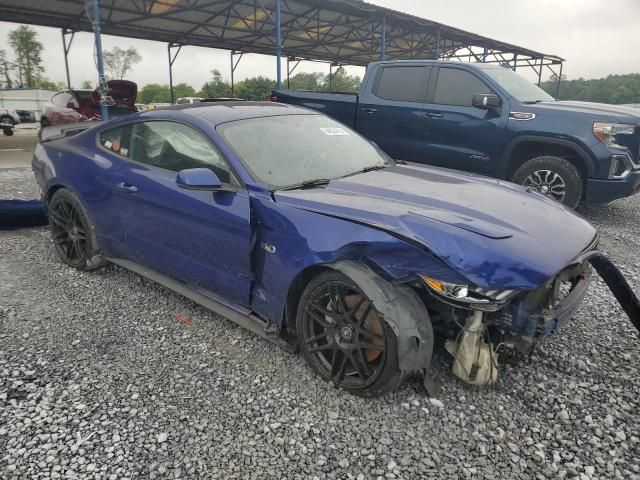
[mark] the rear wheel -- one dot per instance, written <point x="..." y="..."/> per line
<point x="73" y="232"/>
<point x="554" y="177"/>
<point x="344" y="339"/>
<point x="8" y="131"/>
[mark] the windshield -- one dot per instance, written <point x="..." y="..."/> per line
<point x="286" y="151"/>
<point x="520" y="88"/>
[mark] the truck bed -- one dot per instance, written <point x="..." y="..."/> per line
<point x="341" y="106"/>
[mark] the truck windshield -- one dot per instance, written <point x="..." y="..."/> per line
<point x="520" y="88"/>
<point x="292" y="150"/>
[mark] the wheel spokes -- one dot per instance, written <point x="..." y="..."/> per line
<point x="345" y="335"/>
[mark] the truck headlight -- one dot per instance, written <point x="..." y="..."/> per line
<point x="467" y="294"/>
<point x="607" y="132"/>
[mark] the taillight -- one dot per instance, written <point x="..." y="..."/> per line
<point x="273" y="98"/>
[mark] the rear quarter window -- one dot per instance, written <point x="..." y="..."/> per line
<point x="116" y="140"/>
<point x="401" y="84"/>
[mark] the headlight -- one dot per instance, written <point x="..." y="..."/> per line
<point x="466" y="294"/>
<point x="607" y="132"/>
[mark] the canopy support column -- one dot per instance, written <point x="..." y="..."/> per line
<point x="383" y="40"/>
<point x="66" y="46"/>
<point x="234" y="65"/>
<point x="558" y="85"/>
<point x="278" y="47"/>
<point x="540" y="72"/>
<point x="172" y="59"/>
<point x="291" y="70"/>
<point x="436" y="55"/>
<point x="102" y="81"/>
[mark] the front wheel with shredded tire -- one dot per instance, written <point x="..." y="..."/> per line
<point x="345" y="339"/>
<point x="554" y="177"/>
<point x="73" y="231"/>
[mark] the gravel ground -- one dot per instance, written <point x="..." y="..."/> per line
<point x="107" y="375"/>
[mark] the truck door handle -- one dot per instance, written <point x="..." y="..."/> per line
<point x="369" y="110"/>
<point x="126" y="187"/>
<point x="433" y="115"/>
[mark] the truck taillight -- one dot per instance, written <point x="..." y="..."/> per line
<point x="273" y="98"/>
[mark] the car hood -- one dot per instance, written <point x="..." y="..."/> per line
<point x="496" y="234"/>
<point x="620" y="112"/>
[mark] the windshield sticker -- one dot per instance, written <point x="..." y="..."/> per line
<point x="332" y="132"/>
<point x="124" y="151"/>
<point x="107" y="144"/>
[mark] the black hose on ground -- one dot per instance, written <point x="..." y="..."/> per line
<point x="22" y="213"/>
<point x="618" y="285"/>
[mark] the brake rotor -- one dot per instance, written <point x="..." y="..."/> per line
<point x="371" y="323"/>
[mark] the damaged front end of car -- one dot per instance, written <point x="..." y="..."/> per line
<point x="482" y="325"/>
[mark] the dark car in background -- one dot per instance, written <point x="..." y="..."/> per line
<point x="72" y="106"/>
<point x="487" y="119"/>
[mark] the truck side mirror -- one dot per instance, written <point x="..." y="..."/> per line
<point x="486" y="101"/>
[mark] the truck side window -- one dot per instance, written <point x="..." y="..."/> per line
<point x="457" y="87"/>
<point x="401" y="84"/>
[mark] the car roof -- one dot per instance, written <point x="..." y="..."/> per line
<point x="229" y="111"/>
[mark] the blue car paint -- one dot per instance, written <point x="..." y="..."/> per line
<point x="401" y="221"/>
<point x="475" y="140"/>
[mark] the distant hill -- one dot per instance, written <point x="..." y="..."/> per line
<point x="615" y="89"/>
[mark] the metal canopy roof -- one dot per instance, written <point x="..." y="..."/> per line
<point x="343" y="32"/>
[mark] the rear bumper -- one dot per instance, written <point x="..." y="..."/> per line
<point x="603" y="191"/>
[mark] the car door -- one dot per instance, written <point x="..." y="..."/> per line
<point x="456" y="134"/>
<point x="391" y="114"/>
<point x="199" y="237"/>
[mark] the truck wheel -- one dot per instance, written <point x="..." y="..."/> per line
<point x="7" y="131"/>
<point x="554" y="177"/>
<point x="344" y="338"/>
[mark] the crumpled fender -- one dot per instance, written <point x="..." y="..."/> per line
<point x="401" y="308"/>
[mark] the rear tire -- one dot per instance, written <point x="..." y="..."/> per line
<point x="344" y="339"/>
<point x="554" y="177"/>
<point x="73" y="232"/>
<point x="8" y="131"/>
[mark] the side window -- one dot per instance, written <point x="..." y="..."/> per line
<point x="174" y="146"/>
<point x="116" y="140"/>
<point x="457" y="87"/>
<point x="61" y="99"/>
<point x="402" y="84"/>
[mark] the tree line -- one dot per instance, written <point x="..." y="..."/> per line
<point x="255" y="88"/>
<point x="615" y="89"/>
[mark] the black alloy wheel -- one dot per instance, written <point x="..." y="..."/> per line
<point x="345" y="339"/>
<point x="69" y="232"/>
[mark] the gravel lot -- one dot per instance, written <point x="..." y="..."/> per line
<point x="107" y="375"/>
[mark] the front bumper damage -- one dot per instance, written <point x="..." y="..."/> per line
<point x="521" y="324"/>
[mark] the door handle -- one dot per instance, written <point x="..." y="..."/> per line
<point x="369" y="110"/>
<point x="433" y="115"/>
<point x="126" y="187"/>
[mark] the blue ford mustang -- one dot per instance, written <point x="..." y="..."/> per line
<point x="299" y="229"/>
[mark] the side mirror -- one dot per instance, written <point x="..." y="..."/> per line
<point x="486" y="101"/>
<point x="199" y="179"/>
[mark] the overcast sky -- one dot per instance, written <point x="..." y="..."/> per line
<point x="596" y="37"/>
